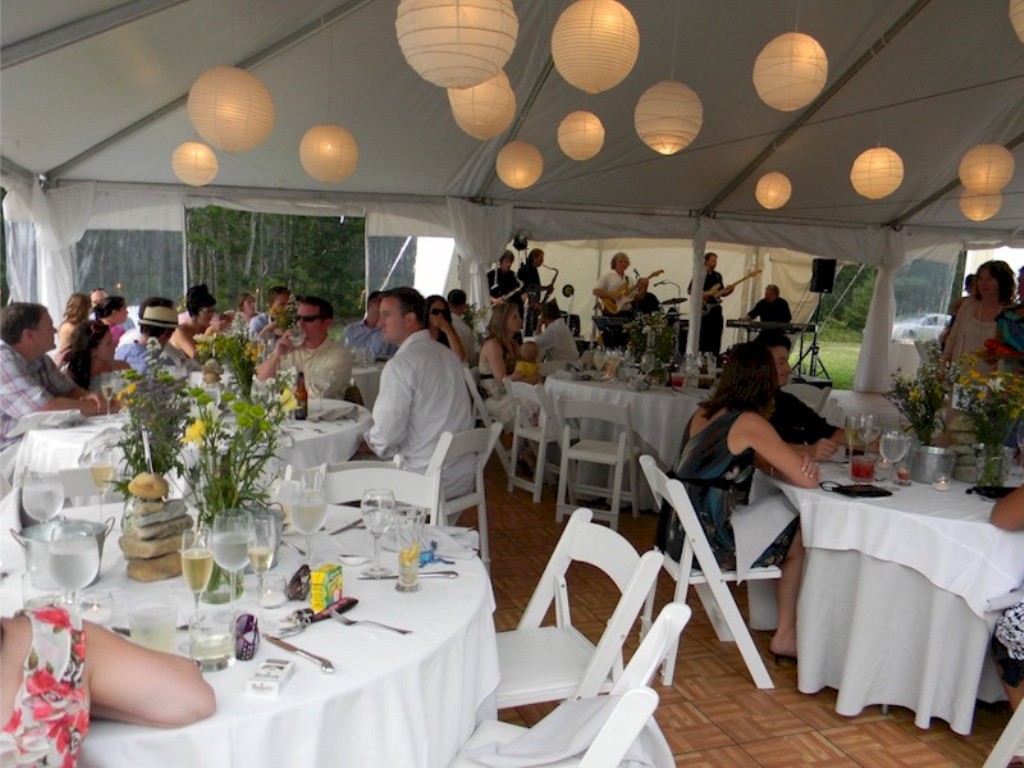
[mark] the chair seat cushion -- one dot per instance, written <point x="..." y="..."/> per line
<point x="540" y="664"/>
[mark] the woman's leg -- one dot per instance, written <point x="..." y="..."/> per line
<point x="787" y="591"/>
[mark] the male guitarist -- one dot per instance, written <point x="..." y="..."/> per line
<point x="713" y="292"/>
<point x="613" y="292"/>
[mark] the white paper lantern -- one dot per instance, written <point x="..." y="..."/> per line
<point x="986" y="168"/>
<point x="773" y="190"/>
<point x="486" y="110"/>
<point x="668" y="116"/>
<point x="1017" y="17"/>
<point x="328" y="152"/>
<point x="790" y="71"/>
<point x="877" y="173"/>
<point x="595" y="44"/>
<point x="456" y="43"/>
<point x="978" y="206"/>
<point x="581" y="135"/>
<point x="194" y="163"/>
<point x="231" y="108"/>
<point x="519" y="164"/>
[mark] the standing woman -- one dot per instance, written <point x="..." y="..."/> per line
<point x="725" y="436"/>
<point x="975" y="321"/>
<point x="91" y="354"/>
<point x="76" y="312"/>
<point x="113" y="312"/>
<point x="439" y="323"/>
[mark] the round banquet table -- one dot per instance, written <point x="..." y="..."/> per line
<point x="409" y="700"/>
<point x="367" y="378"/>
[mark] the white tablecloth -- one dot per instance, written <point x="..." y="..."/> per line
<point x="367" y="378"/>
<point x="394" y="700"/>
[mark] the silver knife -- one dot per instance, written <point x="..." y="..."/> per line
<point x="427" y="575"/>
<point x="354" y="524"/>
<point x="325" y="665"/>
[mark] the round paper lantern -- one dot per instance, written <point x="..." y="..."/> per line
<point x="877" y="173"/>
<point x="581" y="135"/>
<point x="486" y="110"/>
<point x="194" y="163"/>
<point x="986" y="168"/>
<point x="773" y="190"/>
<point x="519" y="164"/>
<point x="595" y="44"/>
<point x="790" y="71"/>
<point x="977" y="206"/>
<point x="668" y="116"/>
<point x="231" y="108"/>
<point x="1017" y="17"/>
<point x="456" y="43"/>
<point x="328" y="152"/>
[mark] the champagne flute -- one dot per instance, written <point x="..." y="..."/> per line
<point x="42" y="495"/>
<point x="378" y="510"/>
<point x="101" y="472"/>
<point x="261" y="553"/>
<point x="894" y="447"/>
<point x="308" y="513"/>
<point x="850" y="428"/>
<point x="232" y="529"/>
<point x="74" y="558"/>
<point x="196" y="567"/>
<point x="107" y="387"/>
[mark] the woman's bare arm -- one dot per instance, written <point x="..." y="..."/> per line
<point x="1008" y="512"/>
<point x="754" y="431"/>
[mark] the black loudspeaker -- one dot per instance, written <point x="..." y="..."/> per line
<point x="823" y="275"/>
<point x="573" y="321"/>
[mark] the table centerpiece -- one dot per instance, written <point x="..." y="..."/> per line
<point x="650" y="336"/>
<point x="991" y="404"/>
<point x="921" y="400"/>
<point x="235" y="349"/>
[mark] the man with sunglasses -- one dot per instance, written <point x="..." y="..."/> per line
<point x="319" y="356"/>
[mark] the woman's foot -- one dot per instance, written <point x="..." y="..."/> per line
<point x="783" y="646"/>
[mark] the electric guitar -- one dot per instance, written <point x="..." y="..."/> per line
<point x="713" y="296"/>
<point x="624" y="294"/>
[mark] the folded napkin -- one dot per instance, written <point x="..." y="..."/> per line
<point x="331" y="412"/>
<point x="46" y="420"/>
<point x="453" y="542"/>
<point x="105" y="441"/>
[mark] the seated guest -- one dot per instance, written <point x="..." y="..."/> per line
<point x="76" y="312"/>
<point x="202" y="309"/>
<point x="771" y="309"/>
<point x="527" y="365"/>
<point x="245" y="307"/>
<point x="157" y="321"/>
<point x="262" y="324"/>
<point x="59" y="672"/>
<point x="422" y="394"/>
<point x="795" y="422"/>
<point x="113" y="311"/>
<point x="498" y="358"/>
<point x="555" y="339"/>
<point x="96" y="296"/>
<point x="91" y="354"/>
<point x="716" y="463"/>
<point x="457" y="305"/>
<point x="29" y="379"/>
<point x="1008" y="639"/>
<point x="319" y="356"/>
<point x="645" y="302"/>
<point x="366" y="334"/>
<point x="439" y="323"/>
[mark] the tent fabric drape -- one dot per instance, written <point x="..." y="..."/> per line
<point x="480" y="232"/>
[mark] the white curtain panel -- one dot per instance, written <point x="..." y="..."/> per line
<point x="481" y="232"/>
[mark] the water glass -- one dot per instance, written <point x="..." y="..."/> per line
<point x="232" y="530"/>
<point x="308" y="514"/>
<point x="893" y="447"/>
<point x="42" y="495"/>
<point x="214" y="644"/>
<point x="74" y="558"/>
<point x="409" y="529"/>
<point x="151" y="620"/>
<point x="378" y="510"/>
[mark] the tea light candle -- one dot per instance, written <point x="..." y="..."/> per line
<point x="274" y="594"/>
<point x="941" y="483"/>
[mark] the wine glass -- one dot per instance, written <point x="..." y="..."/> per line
<point x="850" y="428"/>
<point x="261" y="552"/>
<point x="317" y="384"/>
<point x="308" y="513"/>
<point x="597" y="358"/>
<point x="196" y="567"/>
<point x="868" y="430"/>
<point x="894" y="447"/>
<point x="74" y="558"/>
<point x="101" y="472"/>
<point x="378" y="510"/>
<point x="108" y="386"/>
<point x="296" y="335"/>
<point x="232" y="529"/>
<point x="42" y="495"/>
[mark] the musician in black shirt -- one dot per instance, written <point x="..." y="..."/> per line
<point x="772" y="308"/>
<point x="714" y="291"/>
<point x="502" y="283"/>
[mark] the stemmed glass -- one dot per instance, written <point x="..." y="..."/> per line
<point x="308" y="513"/>
<point x="74" y="559"/>
<point x="850" y="428"/>
<point x="101" y="472"/>
<point x="894" y="447"/>
<point x="261" y="553"/>
<point x="232" y="529"/>
<point x="868" y="430"/>
<point x="196" y="566"/>
<point x="296" y="335"/>
<point x="378" y="510"/>
<point x="42" y="495"/>
<point x="108" y="385"/>
<point x="317" y="385"/>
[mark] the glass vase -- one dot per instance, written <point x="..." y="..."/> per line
<point x="991" y="465"/>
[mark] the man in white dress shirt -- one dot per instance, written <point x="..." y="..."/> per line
<point x="422" y="394"/>
<point x="555" y="339"/>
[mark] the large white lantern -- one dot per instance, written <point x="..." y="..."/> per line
<point x="877" y="173"/>
<point x="231" y="109"/>
<point x="486" y="110"/>
<point x="1017" y="17"/>
<point x="773" y="190"/>
<point x="978" y="206"/>
<point x="328" y="152"/>
<point x="790" y="71"/>
<point x="595" y="44"/>
<point x="519" y="164"/>
<point x="668" y="116"/>
<point x="986" y="168"/>
<point x="581" y="135"/>
<point x="194" y="163"/>
<point x="456" y="43"/>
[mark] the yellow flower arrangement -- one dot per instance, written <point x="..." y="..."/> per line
<point x="236" y="350"/>
<point x="921" y="399"/>
<point x="991" y="402"/>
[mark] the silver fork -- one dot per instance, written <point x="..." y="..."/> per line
<point x="353" y="623"/>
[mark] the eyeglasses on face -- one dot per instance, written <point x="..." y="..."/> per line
<point x="306" y="318"/>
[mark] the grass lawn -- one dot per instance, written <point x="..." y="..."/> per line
<point x="840" y="360"/>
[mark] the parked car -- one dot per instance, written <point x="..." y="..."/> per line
<point x="925" y="327"/>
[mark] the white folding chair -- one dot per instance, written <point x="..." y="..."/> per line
<point x="532" y="400"/>
<point x="618" y="453"/>
<point x="484" y="417"/>
<point x="348" y="483"/>
<point x="1010" y="744"/>
<point x="708" y="578"/>
<point x="811" y="396"/>
<point x="629" y="715"/>
<point x="480" y="443"/>
<point x="553" y="662"/>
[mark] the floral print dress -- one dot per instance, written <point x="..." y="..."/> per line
<point x="51" y="709"/>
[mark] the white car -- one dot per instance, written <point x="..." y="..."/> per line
<point x="925" y="327"/>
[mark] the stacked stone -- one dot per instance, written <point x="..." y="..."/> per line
<point x="152" y="545"/>
<point x="962" y="443"/>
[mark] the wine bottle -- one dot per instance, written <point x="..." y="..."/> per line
<point x="301" y="398"/>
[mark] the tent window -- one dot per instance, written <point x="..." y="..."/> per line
<point x="132" y="263"/>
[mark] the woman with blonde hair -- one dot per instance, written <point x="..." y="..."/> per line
<point x="498" y="358"/>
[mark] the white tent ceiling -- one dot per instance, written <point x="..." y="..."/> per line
<point x="95" y="89"/>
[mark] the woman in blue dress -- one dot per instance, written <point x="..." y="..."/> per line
<point x="727" y="436"/>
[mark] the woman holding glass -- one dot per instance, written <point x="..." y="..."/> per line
<point x="724" y="438"/>
<point x="439" y="323"/>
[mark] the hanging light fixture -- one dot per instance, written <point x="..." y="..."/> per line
<point x="986" y="168"/>
<point x="790" y="71"/>
<point x="328" y="152"/>
<point x="877" y="173"/>
<point x="668" y="116"/>
<point x="1017" y="17"/>
<point x="581" y="135"/>
<point x="519" y="164"/>
<point x="456" y="43"/>
<point x="231" y="109"/>
<point x="978" y="206"/>
<point x="595" y="44"/>
<point x="194" y="163"/>
<point x="486" y="110"/>
<point x="773" y="190"/>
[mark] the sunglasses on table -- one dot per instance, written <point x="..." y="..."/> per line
<point x="306" y="318"/>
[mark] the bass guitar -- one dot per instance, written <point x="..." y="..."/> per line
<point x="624" y="294"/>
<point x="713" y="296"/>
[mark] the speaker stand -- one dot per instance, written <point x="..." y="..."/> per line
<point x="815" y="365"/>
